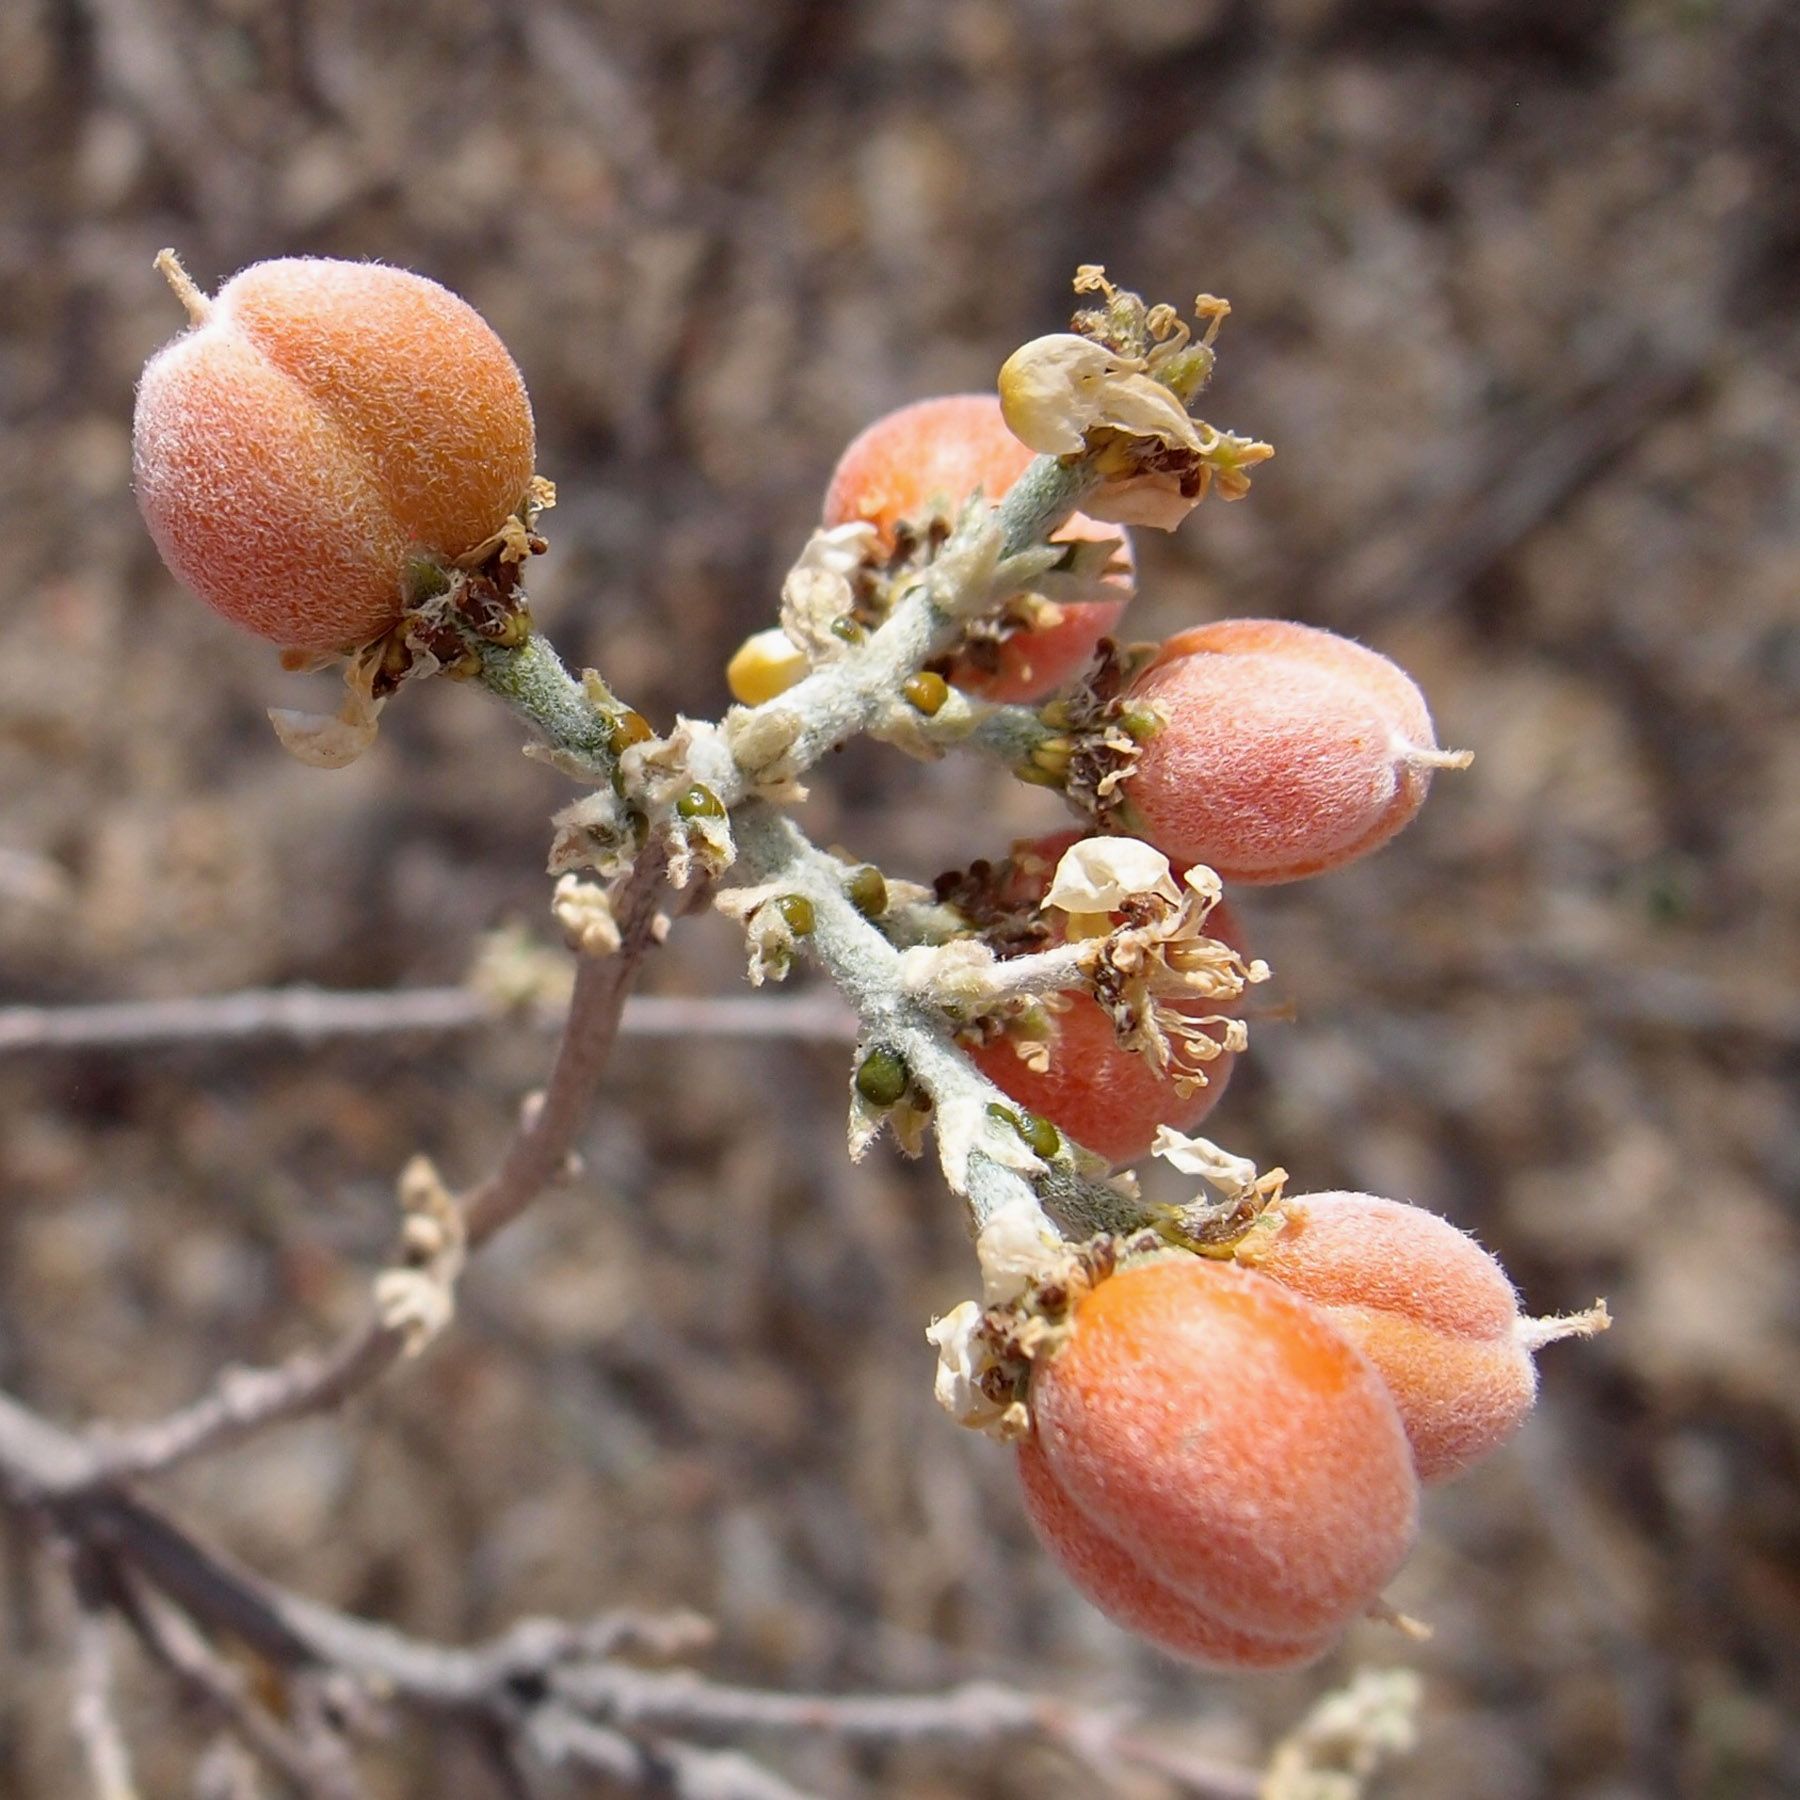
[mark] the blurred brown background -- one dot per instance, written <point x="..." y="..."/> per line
<point x="1514" y="285"/>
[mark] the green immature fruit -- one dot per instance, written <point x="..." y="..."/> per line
<point x="868" y="891"/>
<point x="796" y="913"/>
<point x="699" y="802"/>
<point x="882" y="1077"/>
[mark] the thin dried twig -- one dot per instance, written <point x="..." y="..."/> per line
<point x="93" y="1708"/>
<point x="555" y="1691"/>
<point x="539" y="1150"/>
<point x="244" y="1401"/>
<point x="307" y="1015"/>
<point x="212" y="1682"/>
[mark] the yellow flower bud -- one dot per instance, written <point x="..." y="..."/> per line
<point x="766" y="664"/>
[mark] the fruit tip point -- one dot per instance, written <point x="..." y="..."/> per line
<point x="187" y="290"/>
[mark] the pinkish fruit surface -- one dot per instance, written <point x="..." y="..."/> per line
<point x="1285" y="751"/>
<point x="1431" y="1309"/>
<point x="320" y="426"/>
<point x="1216" y="1467"/>
<point x="921" y="463"/>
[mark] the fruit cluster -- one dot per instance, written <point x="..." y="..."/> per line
<point x="1225" y="1455"/>
<point x="1224" y="1439"/>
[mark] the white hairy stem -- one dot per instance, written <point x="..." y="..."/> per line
<point x="866" y="968"/>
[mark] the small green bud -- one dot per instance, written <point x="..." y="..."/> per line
<point x="1141" y="722"/>
<point x="426" y="579"/>
<point x="796" y="912"/>
<point x="1034" y="1130"/>
<point x="868" y="891"/>
<point x="1039" y="1133"/>
<point x="699" y="802"/>
<point x="926" y="692"/>
<point x="846" y="630"/>
<point x="629" y="728"/>
<point x="882" y="1077"/>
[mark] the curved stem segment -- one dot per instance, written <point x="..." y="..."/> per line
<point x="865" y="967"/>
<point x="845" y="697"/>
<point x="531" y="678"/>
<point x="243" y="1402"/>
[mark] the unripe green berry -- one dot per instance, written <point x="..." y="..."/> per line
<point x="796" y="912"/>
<point x="699" y="802"/>
<point x="882" y="1077"/>
<point x="867" y="890"/>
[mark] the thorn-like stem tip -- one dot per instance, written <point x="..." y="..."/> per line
<point x="187" y="290"/>
<point x="1404" y="1623"/>
<point x="1534" y="1334"/>
<point x="1422" y="756"/>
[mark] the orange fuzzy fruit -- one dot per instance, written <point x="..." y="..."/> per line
<point x="1431" y="1309"/>
<point x="1286" y="751"/>
<point x="319" y="426"/>
<point x="1216" y="1467"/>
<point x="921" y="464"/>
<point x="1107" y="1098"/>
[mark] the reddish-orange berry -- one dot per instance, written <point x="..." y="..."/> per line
<point x="1285" y="751"/>
<point x="919" y="465"/>
<point x="1107" y="1098"/>
<point x="1431" y="1309"/>
<point x="1216" y="1467"/>
<point x="319" y="426"/>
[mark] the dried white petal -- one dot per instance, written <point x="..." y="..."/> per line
<point x="1016" y="1248"/>
<point x="590" y="834"/>
<point x="1234" y="1176"/>
<point x="1099" y="874"/>
<point x="331" y="742"/>
<point x="322" y="740"/>
<point x="1056" y="389"/>
<point x="816" y="592"/>
<point x="960" y="1363"/>
<point x="840" y="549"/>
<point x="584" y="910"/>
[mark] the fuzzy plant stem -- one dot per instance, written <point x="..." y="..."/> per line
<point x="866" y="968"/>
<point x="846" y="697"/>
<point x="531" y="679"/>
<point x="1011" y="734"/>
<point x="835" y="702"/>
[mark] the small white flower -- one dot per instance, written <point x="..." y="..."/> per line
<point x="1056" y="389"/>
<point x="1098" y="875"/>
<point x="1016" y="1248"/>
<point x="1234" y="1176"/>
